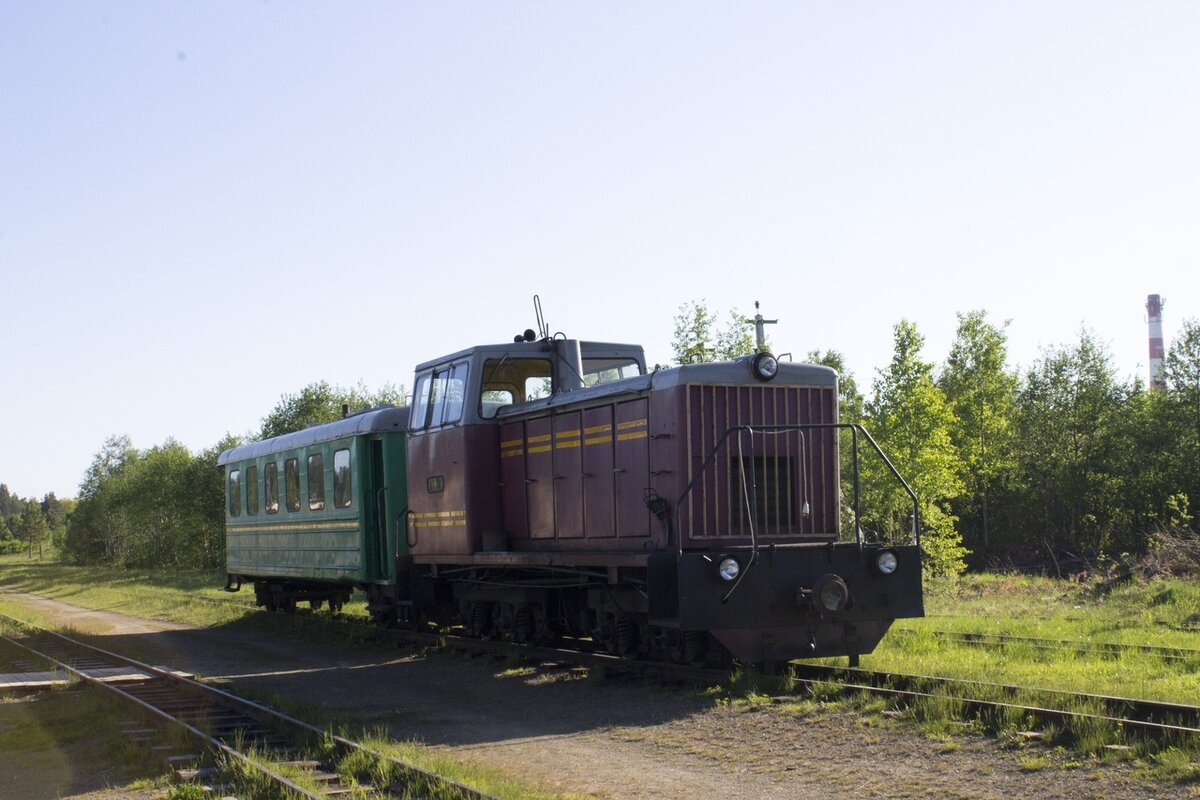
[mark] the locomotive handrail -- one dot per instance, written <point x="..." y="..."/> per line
<point x="854" y="428"/>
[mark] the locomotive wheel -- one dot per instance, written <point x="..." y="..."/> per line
<point x="626" y="637"/>
<point x="522" y="624"/>
<point x="480" y="623"/>
<point x="687" y="647"/>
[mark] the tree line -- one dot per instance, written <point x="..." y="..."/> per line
<point x="164" y="507"/>
<point x="27" y="524"/>
<point x="1061" y="457"/>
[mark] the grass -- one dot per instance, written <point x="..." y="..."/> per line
<point x="192" y="597"/>
<point x="46" y="752"/>
<point x="485" y="778"/>
<point x="1154" y="613"/>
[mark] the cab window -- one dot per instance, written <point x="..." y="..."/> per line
<point x="439" y="397"/>
<point x="513" y="380"/>
<point x="606" y="370"/>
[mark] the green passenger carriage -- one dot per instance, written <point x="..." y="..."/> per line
<point x="313" y="514"/>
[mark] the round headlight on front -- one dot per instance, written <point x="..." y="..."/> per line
<point x="729" y="569"/>
<point x="886" y="562"/>
<point x="765" y="366"/>
<point x="830" y="593"/>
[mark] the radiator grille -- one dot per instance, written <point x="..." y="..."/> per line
<point x="772" y="478"/>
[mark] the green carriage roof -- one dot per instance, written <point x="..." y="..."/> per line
<point x="384" y="419"/>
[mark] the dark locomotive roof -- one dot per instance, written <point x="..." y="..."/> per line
<point x="717" y="373"/>
<point x="590" y="350"/>
<point x="384" y="419"/>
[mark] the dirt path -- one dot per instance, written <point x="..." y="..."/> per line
<point x="609" y="739"/>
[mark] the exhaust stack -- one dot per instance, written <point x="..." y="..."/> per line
<point x="1154" y="305"/>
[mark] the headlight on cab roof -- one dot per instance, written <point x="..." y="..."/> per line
<point x="887" y="562"/>
<point x="764" y="366"/>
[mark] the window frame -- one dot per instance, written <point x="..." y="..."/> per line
<point x="271" y="487"/>
<point x="440" y="396"/>
<point x="291" y="484"/>
<point x="233" y="491"/>
<point x="343" y="479"/>
<point x="516" y="385"/>
<point x="315" y="502"/>
<point x="252" y="490"/>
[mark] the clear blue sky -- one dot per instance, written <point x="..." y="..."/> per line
<point x="206" y="205"/>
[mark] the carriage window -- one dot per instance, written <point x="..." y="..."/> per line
<point x="439" y="397"/>
<point x="316" y="482"/>
<point x="271" y="488"/>
<point x="513" y="380"/>
<point x="341" y="479"/>
<point x="235" y="493"/>
<point x="291" y="484"/>
<point x="252" y="489"/>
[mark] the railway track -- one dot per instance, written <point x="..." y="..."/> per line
<point x="1148" y="718"/>
<point x="1100" y="649"/>
<point x="1152" y="718"/>
<point x="225" y="729"/>
<point x="1067" y="710"/>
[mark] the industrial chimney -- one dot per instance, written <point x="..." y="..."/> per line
<point x="1154" y="305"/>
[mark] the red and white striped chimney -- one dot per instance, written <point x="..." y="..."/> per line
<point x="1154" y="305"/>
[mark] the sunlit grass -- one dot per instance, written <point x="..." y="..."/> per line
<point x="486" y="778"/>
<point x="1155" y="613"/>
<point x="45" y="734"/>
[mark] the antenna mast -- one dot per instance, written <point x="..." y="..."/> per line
<point x="760" y="337"/>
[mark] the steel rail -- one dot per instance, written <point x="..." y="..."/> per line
<point x="253" y="709"/>
<point x="1156" y="717"/>
<point x="985" y="639"/>
<point x="197" y="734"/>
<point x="1153" y="716"/>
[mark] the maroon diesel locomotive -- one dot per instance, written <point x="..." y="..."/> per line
<point x="558" y="487"/>
<point x="554" y="487"/>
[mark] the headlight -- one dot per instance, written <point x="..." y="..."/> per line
<point x="729" y="569"/>
<point x="830" y="593"/>
<point x="764" y="366"/>
<point x="887" y="562"/>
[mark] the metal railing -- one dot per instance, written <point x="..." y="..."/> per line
<point x="750" y="484"/>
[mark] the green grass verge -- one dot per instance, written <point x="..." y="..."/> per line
<point x="46" y="753"/>
<point x="1153" y="613"/>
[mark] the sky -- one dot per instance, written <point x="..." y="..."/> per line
<point x="204" y="206"/>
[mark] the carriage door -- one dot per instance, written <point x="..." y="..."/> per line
<point x="377" y="534"/>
